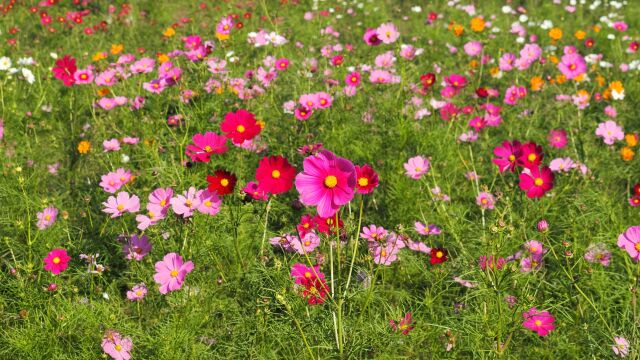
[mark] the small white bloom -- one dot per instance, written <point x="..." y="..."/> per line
<point x="5" y="63"/>
<point x="416" y="9"/>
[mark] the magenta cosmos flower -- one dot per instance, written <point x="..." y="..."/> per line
<point x="114" y="345"/>
<point x="536" y="181"/>
<point x="630" y="241"/>
<point x="327" y="181"/>
<point x="205" y="145"/>
<point x="170" y="272"/>
<point x="572" y="66"/>
<point x="507" y="155"/>
<point x="120" y="204"/>
<point x="56" y="261"/>
<point x="537" y="321"/>
<point x="485" y="200"/>
<point x="416" y="167"/>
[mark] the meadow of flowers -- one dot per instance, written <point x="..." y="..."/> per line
<point x="319" y="179"/>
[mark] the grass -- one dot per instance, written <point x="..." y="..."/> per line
<point x="240" y="302"/>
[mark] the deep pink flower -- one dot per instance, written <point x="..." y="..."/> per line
<point x="136" y="248"/>
<point x="65" y="70"/>
<point x="171" y="272"/>
<point x="205" y="145"/>
<point x="537" y="321"/>
<point x="57" y="260"/>
<point x="405" y="325"/>
<point x="557" y="138"/>
<point x="507" y="155"/>
<point x="327" y="182"/>
<point x="536" y="181"/>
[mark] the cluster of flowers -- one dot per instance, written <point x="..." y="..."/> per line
<point x="6" y="65"/>
<point x="535" y="179"/>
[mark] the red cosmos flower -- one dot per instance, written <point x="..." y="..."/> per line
<point x="240" y="126"/>
<point x="366" y="179"/>
<point x="405" y="325"/>
<point x="636" y="189"/>
<point x="327" y="225"/>
<point x="315" y="290"/>
<point x="507" y="154"/>
<point x="306" y="225"/>
<point x="482" y="92"/>
<point x="221" y="182"/>
<point x="536" y="181"/>
<point x="438" y="256"/>
<point x="64" y="70"/>
<point x="275" y="174"/>
<point x="428" y="80"/>
<point x="531" y="155"/>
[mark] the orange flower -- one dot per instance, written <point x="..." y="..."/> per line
<point x="579" y="78"/>
<point x="596" y="28"/>
<point x="103" y="92"/>
<point x="222" y="37"/>
<point x="116" y="49"/>
<point x="84" y="147"/>
<point x="473" y="64"/>
<point x="477" y="24"/>
<point x="169" y="32"/>
<point x="99" y="56"/>
<point x="561" y="79"/>
<point x="627" y="154"/>
<point x="631" y="139"/>
<point x="555" y="34"/>
<point x="553" y="59"/>
<point x="536" y="83"/>
<point x="580" y="35"/>
<point x="162" y="58"/>
<point x="616" y="86"/>
<point x="600" y="80"/>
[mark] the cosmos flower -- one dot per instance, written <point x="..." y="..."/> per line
<point x="171" y="272"/>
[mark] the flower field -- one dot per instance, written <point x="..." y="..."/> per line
<point x="261" y="179"/>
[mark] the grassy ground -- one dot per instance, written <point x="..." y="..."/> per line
<point x="240" y="302"/>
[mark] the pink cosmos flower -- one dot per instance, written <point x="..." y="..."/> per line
<point x="485" y="200"/>
<point x="572" y="65"/>
<point x="598" y="253"/>
<point x="57" y="260"/>
<point x="374" y="233"/>
<point x="418" y="246"/>
<point x="161" y="197"/>
<point x="416" y="167"/>
<point x="370" y="37"/>
<point x="116" y="346"/>
<point x="540" y="322"/>
<point x="327" y="182"/>
<point x="309" y="242"/>
<point x="422" y="229"/>
<point x="621" y="346"/>
<point x="387" y="33"/>
<point x="137" y="293"/>
<point x="630" y="241"/>
<point x="301" y="273"/>
<point x="154" y="214"/>
<point x="121" y="203"/>
<point x="353" y="79"/>
<point x="210" y="203"/>
<point x="561" y="164"/>
<point x="385" y="254"/>
<point x="111" y="145"/>
<point x="610" y="131"/>
<point x="380" y="77"/>
<point x="47" y="217"/>
<point x="473" y="48"/>
<point x="186" y="203"/>
<point x="136" y="248"/>
<point x="171" y="272"/>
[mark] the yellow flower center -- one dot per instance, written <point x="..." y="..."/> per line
<point x="56" y="260"/>
<point x="538" y="322"/>
<point x="118" y="347"/>
<point x="363" y="181"/>
<point x="538" y="182"/>
<point x="275" y="174"/>
<point x="307" y="243"/>
<point x="188" y="203"/>
<point x="224" y="182"/>
<point x="139" y="292"/>
<point x="151" y="215"/>
<point x="240" y="129"/>
<point x="483" y="201"/>
<point x="383" y="253"/>
<point x="512" y="158"/>
<point x="354" y="79"/>
<point x="120" y="207"/>
<point x="637" y="246"/>
<point x="47" y="217"/>
<point x="207" y="203"/>
<point x="163" y="202"/>
<point x="307" y="274"/>
<point x="174" y="273"/>
<point x="330" y="181"/>
<point x="532" y="157"/>
<point x="418" y="168"/>
<point x="207" y="148"/>
<point x="439" y="254"/>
